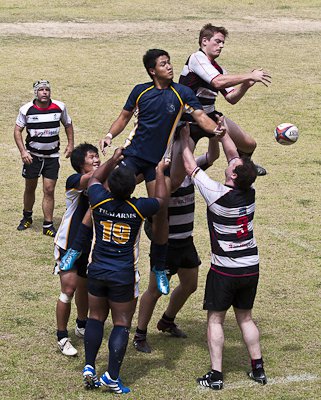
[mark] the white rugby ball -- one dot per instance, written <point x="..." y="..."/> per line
<point x="286" y="133"/>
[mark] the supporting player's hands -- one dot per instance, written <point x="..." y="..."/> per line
<point x="118" y="155"/>
<point x="259" y="75"/>
<point x="163" y="165"/>
<point x="26" y="157"/>
<point x="220" y="130"/>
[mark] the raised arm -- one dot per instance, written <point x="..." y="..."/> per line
<point x="116" y="128"/>
<point x="160" y="184"/>
<point x="102" y="172"/>
<point x="229" y="148"/>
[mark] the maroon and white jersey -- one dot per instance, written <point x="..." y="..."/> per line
<point x="230" y="214"/>
<point x="198" y="73"/>
<point x="43" y="125"/>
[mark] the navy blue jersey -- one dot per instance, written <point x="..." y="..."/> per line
<point x="158" y="113"/>
<point x="76" y="207"/>
<point x="117" y="226"/>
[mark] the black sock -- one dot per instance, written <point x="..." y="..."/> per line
<point x="81" y="323"/>
<point x="141" y="331"/>
<point x="61" y="334"/>
<point x="27" y="214"/>
<point x="93" y="337"/>
<point x="47" y="224"/>
<point x="117" y="346"/>
<point x="257" y="364"/>
<point x="167" y="319"/>
<point x="216" y="375"/>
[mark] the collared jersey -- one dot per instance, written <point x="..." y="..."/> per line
<point x="117" y="227"/>
<point x="198" y="73"/>
<point x="76" y="207"/>
<point x="158" y="113"/>
<point x="230" y="214"/>
<point x="43" y="126"/>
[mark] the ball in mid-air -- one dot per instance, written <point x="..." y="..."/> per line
<point x="286" y="133"/>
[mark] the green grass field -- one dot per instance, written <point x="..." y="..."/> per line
<point x="91" y="52"/>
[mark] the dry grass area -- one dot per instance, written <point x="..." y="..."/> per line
<point x="91" y="52"/>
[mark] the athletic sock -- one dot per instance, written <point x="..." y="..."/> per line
<point x="257" y="364"/>
<point x="61" y="334"/>
<point x="167" y="319"/>
<point x="81" y="323"/>
<point x="27" y="214"/>
<point x="93" y="337"/>
<point x="47" y="224"/>
<point x="83" y="238"/>
<point x="117" y="346"/>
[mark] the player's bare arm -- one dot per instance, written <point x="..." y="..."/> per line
<point x="161" y="192"/>
<point x="188" y="158"/>
<point x="229" y="148"/>
<point x="69" y="129"/>
<point x="223" y="81"/>
<point x="116" y="128"/>
<point x="25" y="155"/>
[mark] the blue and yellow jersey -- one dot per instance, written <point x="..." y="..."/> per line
<point x="158" y="113"/>
<point x="117" y="227"/>
<point x="76" y="207"/>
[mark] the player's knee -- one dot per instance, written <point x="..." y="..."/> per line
<point x="66" y="297"/>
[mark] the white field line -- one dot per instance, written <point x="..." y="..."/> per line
<point x="288" y="236"/>
<point x="282" y="380"/>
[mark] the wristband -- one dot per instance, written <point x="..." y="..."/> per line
<point x="109" y="135"/>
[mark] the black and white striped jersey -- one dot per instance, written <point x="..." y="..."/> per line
<point x="43" y="125"/>
<point x="198" y="73"/>
<point x="230" y="214"/>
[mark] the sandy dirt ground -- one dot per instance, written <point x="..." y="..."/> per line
<point x="85" y="29"/>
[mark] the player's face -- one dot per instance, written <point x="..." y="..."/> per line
<point x="163" y="69"/>
<point x="43" y="95"/>
<point x="92" y="162"/>
<point x="214" y="46"/>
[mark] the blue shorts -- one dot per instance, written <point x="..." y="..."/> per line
<point x="114" y="292"/>
<point x="140" y="166"/>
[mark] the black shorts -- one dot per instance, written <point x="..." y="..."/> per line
<point x="47" y="167"/>
<point x="114" y="292"/>
<point x="222" y="292"/>
<point x="140" y="166"/>
<point x="80" y="264"/>
<point x="196" y="132"/>
<point x="181" y="253"/>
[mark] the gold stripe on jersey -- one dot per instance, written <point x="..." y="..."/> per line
<point x="143" y="92"/>
<point x="102" y="202"/>
<point x="132" y="205"/>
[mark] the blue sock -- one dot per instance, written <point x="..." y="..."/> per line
<point x="117" y="346"/>
<point x="93" y="337"/>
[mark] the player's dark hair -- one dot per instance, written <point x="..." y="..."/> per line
<point x="150" y="58"/>
<point x="209" y="30"/>
<point x="79" y="153"/>
<point x="122" y="183"/>
<point x="246" y="174"/>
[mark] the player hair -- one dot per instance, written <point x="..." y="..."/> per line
<point x="209" y="30"/>
<point x="122" y="183"/>
<point x="79" y="153"/>
<point x="150" y="58"/>
<point x="246" y="174"/>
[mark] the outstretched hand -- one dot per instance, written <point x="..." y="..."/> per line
<point x="259" y="75"/>
<point x="118" y="155"/>
<point x="220" y="130"/>
<point x="163" y="165"/>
